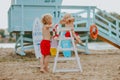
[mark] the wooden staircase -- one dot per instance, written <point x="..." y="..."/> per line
<point x="109" y="29"/>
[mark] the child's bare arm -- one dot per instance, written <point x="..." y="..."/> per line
<point x="74" y="35"/>
<point x="48" y="26"/>
<point x="77" y="38"/>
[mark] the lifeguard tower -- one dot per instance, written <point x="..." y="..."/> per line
<point x="22" y="14"/>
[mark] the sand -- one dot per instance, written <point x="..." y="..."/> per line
<point x="99" y="65"/>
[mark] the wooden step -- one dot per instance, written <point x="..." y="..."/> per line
<point x="68" y="70"/>
<point x="66" y="58"/>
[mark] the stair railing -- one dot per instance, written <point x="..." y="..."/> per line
<point x="106" y="26"/>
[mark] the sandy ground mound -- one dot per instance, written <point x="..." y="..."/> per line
<point x="99" y="65"/>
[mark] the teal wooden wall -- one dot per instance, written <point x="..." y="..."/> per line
<point x="22" y="13"/>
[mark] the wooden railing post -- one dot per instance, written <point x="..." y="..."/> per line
<point x="117" y="29"/>
<point x="109" y="28"/>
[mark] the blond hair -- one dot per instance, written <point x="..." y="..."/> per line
<point x="67" y="15"/>
<point x="67" y="19"/>
<point x="46" y="19"/>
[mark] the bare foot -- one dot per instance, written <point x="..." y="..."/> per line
<point x="81" y="43"/>
<point x="46" y="69"/>
<point x="42" y="70"/>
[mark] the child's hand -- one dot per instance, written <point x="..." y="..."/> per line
<point x="55" y="27"/>
<point x="56" y="38"/>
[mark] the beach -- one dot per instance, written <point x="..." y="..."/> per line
<point x="99" y="65"/>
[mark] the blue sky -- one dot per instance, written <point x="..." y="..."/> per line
<point x="108" y="5"/>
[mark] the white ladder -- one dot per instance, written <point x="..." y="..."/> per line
<point x="57" y="58"/>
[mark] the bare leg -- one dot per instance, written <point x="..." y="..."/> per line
<point x="39" y="61"/>
<point x="76" y="42"/>
<point x="46" y="63"/>
<point x="79" y="40"/>
<point x="42" y="64"/>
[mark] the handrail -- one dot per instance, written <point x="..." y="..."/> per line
<point x="106" y="20"/>
<point x="110" y="24"/>
<point x="104" y="12"/>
